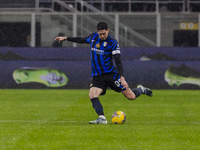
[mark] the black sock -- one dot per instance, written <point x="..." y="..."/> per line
<point x="97" y="106"/>
<point x="137" y="92"/>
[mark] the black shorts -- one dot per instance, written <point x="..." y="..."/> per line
<point x="104" y="81"/>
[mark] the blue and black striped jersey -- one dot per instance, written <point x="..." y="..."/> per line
<point x="101" y="53"/>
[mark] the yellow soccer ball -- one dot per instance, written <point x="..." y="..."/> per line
<point x="118" y="117"/>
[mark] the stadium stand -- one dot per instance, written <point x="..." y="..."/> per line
<point x="106" y="5"/>
<point x="17" y="4"/>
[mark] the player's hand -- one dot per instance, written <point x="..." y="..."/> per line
<point x="124" y="83"/>
<point x="60" y="38"/>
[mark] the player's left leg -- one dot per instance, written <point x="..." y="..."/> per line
<point x="145" y="90"/>
<point x="136" y="92"/>
<point x="114" y="82"/>
<point x="129" y="94"/>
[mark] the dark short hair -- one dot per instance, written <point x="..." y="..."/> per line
<point x="102" y="25"/>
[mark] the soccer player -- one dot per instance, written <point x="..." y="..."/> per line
<point x="104" y="74"/>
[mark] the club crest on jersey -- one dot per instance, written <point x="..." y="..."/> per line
<point x="98" y="45"/>
<point x="104" y="44"/>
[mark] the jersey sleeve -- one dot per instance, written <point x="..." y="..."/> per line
<point x="119" y="64"/>
<point x="86" y="39"/>
<point x="117" y="56"/>
<point x="116" y="48"/>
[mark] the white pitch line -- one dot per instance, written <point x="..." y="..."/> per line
<point x="35" y="121"/>
<point x="69" y="121"/>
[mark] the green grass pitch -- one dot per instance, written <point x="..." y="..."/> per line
<point x="58" y="120"/>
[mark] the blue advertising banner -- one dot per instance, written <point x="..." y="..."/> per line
<point x="69" y="68"/>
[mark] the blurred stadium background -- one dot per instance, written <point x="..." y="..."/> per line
<point x="165" y="31"/>
<point x="135" y="23"/>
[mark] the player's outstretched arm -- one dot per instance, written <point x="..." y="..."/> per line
<point x="72" y="39"/>
<point x="60" y="38"/>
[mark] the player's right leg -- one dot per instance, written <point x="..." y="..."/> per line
<point x="98" y="87"/>
<point x="94" y="94"/>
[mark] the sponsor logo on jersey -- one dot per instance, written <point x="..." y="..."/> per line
<point x="100" y="52"/>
